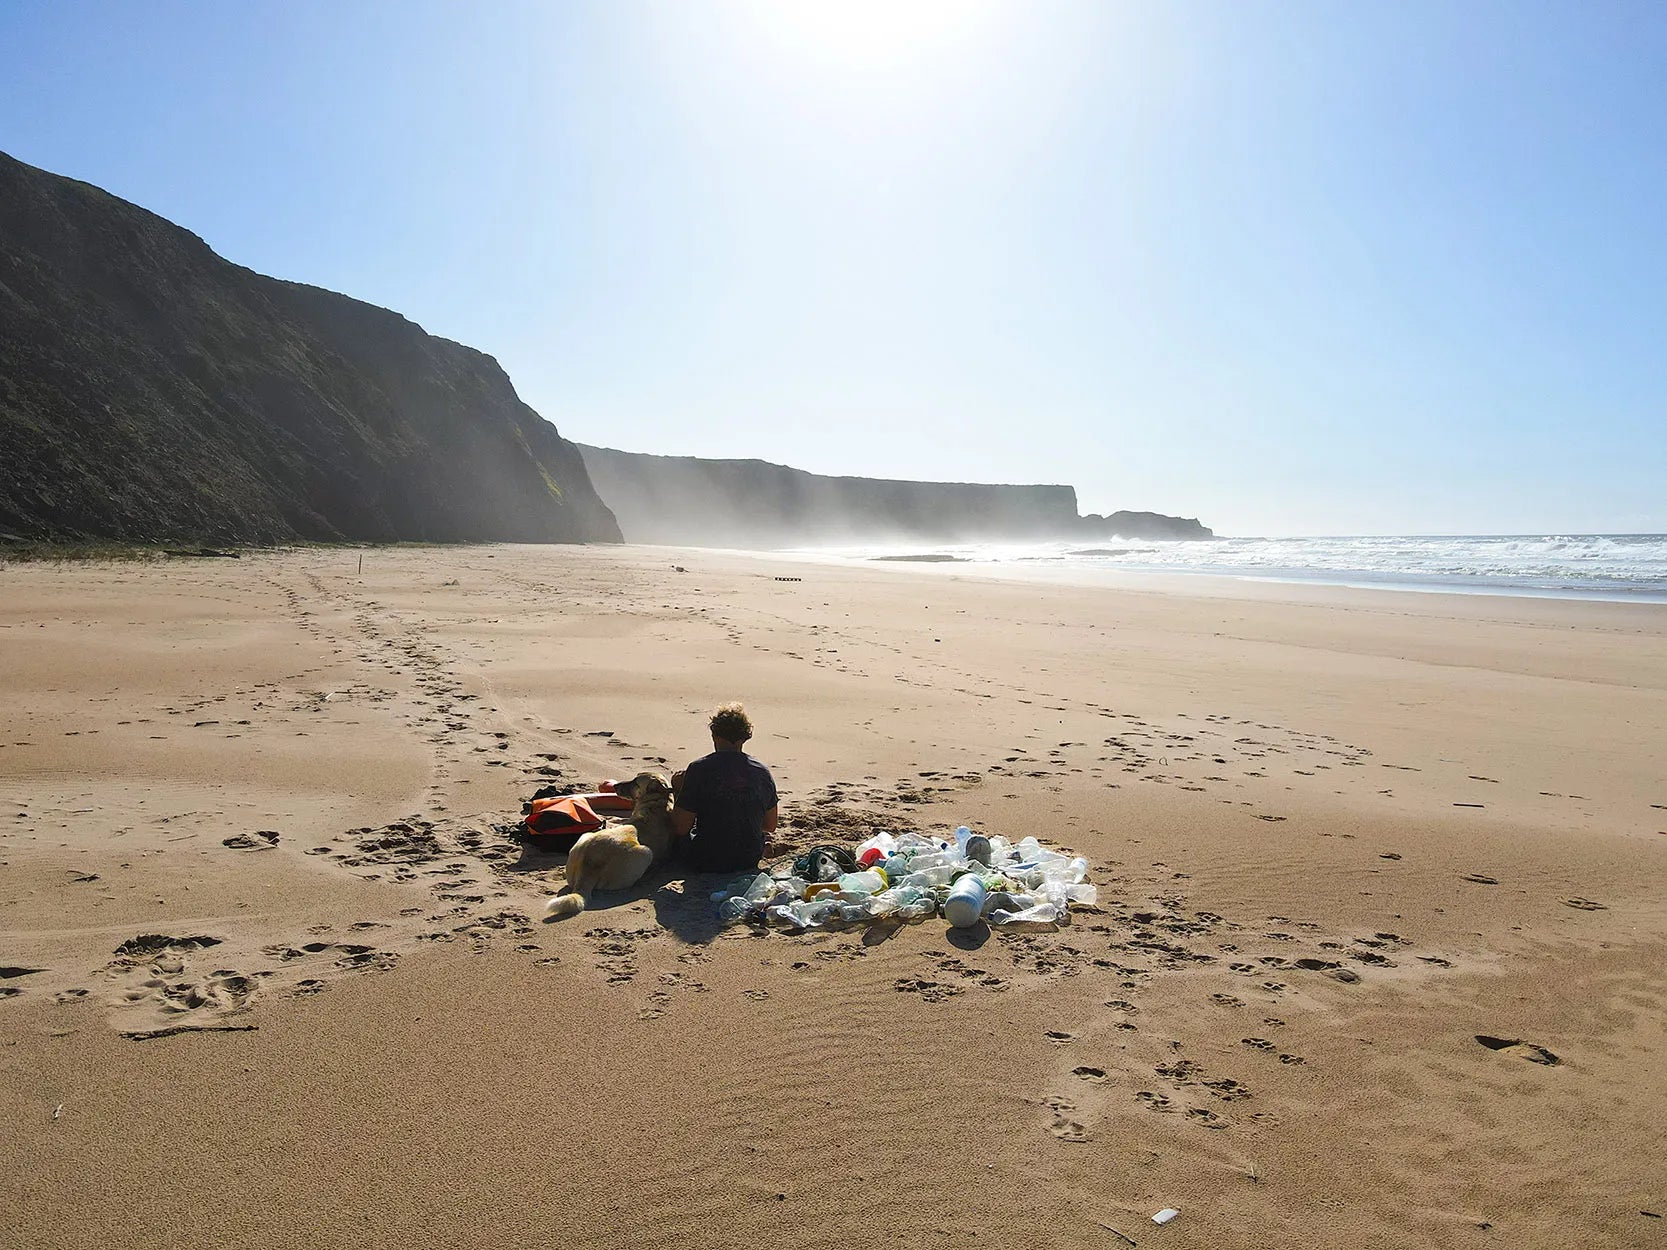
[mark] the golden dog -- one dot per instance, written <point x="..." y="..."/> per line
<point x="615" y="857"/>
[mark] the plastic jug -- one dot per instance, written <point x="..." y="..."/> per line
<point x="965" y="904"/>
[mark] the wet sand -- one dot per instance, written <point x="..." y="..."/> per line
<point x="274" y="973"/>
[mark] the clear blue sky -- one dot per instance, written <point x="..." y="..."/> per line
<point x="1290" y="267"/>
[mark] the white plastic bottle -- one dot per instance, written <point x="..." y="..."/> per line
<point x="965" y="904"/>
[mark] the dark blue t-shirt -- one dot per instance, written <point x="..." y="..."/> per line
<point x="729" y="792"/>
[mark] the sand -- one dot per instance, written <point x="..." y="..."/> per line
<point x="274" y="973"/>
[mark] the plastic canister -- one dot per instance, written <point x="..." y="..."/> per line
<point x="965" y="904"/>
<point x="978" y="849"/>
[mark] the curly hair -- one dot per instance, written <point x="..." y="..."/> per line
<point x="731" y="723"/>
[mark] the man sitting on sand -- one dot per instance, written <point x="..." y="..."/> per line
<point x="726" y="801"/>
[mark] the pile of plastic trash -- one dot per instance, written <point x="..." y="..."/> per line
<point x="910" y="878"/>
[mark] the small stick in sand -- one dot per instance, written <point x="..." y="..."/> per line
<point x="57" y="1111"/>
<point x="1119" y="1232"/>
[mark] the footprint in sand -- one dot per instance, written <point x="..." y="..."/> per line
<point x="1157" y="1102"/>
<point x="1520" y="1049"/>
<point x="259" y="840"/>
<point x="1333" y="970"/>
<point x="1584" y="904"/>
<point x="1227" y="1089"/>
<point x="1480" y="879"/>
<point x="1055" y="1035"/>
<point x="1088" y="1073"/>
<point x="1258" y="1043"/>
<point x="1226" y="1000"/>
<point x="929" y="991"/>
<point x="1206" y="1118"/>
<point x="1063" y="1126"/>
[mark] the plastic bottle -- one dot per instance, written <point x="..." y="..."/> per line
<point x="735" y="907"/>
<point x="898" y="866"/>
<point x="965" y="904"/>
<point x="918" y="905"/>
<point x="929" y="878"/>
<point x="871" y="881"/>
<point x="977" y="849"/>
<point x="882" y="842"/>
<point x="936" y="859"/>
<point x="1041" y="916"/>
<point x="761" y="887"/>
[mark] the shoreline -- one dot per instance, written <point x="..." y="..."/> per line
<point x="1057" y="568"/>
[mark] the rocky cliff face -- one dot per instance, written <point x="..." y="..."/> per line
<point x="150" y="390"/>
<point x="687" y="501"/>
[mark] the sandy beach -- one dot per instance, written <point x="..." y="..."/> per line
<point x="275" y="973"/>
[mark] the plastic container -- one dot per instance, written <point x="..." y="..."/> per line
<point x="930" y="878"/>
<point x="898" y="866"/>
<point x="871" y="881"/>
<point x="977" y="849"/>
<point x="881" y="841"/>
<point x="936" y="859"/>
<point x="736" y="907"/>
<point x="965" y="905"/>
<point x="873" y="855"/>
<point x="1041" y="916"/>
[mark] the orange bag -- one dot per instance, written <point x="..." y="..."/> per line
<point x="569" y="814"/>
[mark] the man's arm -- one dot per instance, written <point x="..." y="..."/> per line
<point x="770" y="818"/>
<point x="683" y="820"/>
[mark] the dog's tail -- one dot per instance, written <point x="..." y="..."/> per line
<point x="564" y="905"/>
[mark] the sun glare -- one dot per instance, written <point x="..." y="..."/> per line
<point x="872" y="34"/>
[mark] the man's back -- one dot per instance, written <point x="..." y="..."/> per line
<point x="729" y="793"/>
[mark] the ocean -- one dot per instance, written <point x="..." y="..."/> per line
<point x="1623" y="567"/>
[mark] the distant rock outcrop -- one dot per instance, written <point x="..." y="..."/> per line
<point x="150" y="390"/>
<point x="687" y="501"/>
<point x="1140" y="525"/>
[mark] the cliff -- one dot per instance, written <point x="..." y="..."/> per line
<point x="687" y="501"/>
<point x="150" y="390"/>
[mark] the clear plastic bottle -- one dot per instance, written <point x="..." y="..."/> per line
<point x="898" y="866"/>
<point x="870" y="881"/>
<point x="736" y="907"/>
<point x="1040" y="916"/>
<point x="929" y="878"/>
